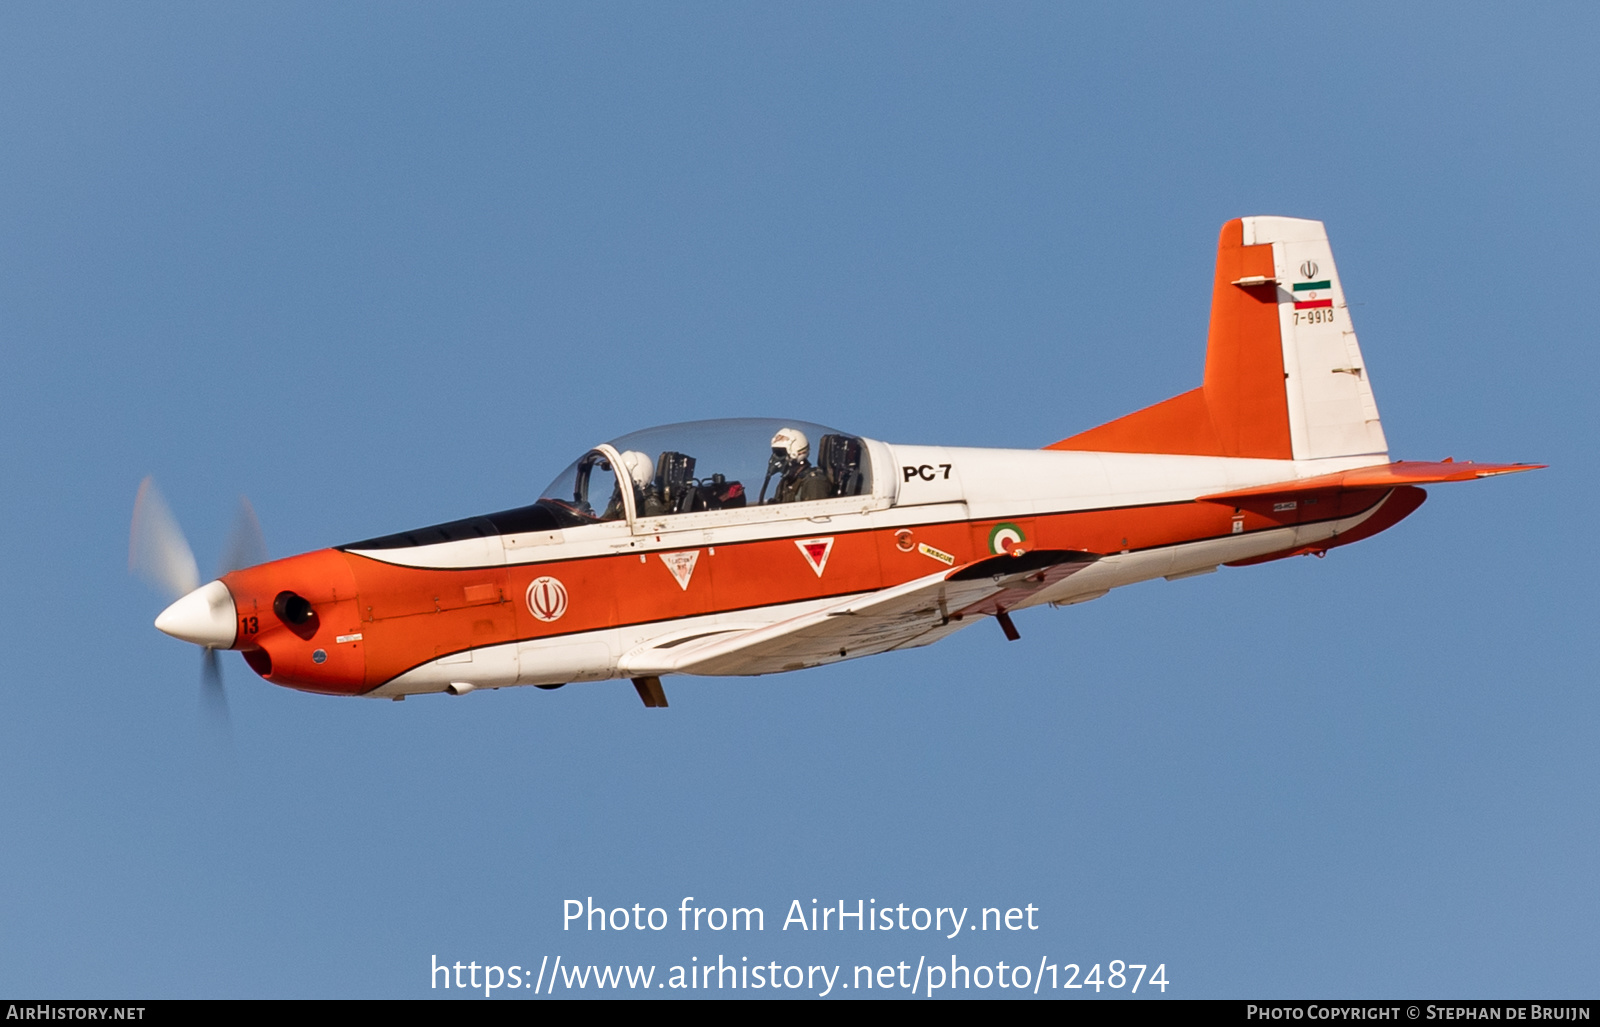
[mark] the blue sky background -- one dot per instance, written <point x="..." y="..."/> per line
<point x="377" y="266"/>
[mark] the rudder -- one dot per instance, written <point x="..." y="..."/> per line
<point x="1332" y="411"/>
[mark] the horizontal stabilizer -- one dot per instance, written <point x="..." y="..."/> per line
<point x="1379" y="476"/>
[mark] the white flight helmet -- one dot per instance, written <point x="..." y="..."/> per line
<point x="792" y="442"/>
<point x="639" y="466"/>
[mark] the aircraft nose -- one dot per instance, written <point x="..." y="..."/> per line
<point x="204" y="617"/>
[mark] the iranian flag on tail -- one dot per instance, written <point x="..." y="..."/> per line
<point x="1309" y="295"/>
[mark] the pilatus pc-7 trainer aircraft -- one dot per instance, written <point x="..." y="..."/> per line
<point x="759" y="546"/>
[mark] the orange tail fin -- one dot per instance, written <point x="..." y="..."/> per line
<point x="1284" y="377"/>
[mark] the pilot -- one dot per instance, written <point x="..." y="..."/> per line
<point x="637" y="467"/>
<point x="798" y="481"/>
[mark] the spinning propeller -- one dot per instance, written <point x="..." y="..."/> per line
<point x="158" y="553"/>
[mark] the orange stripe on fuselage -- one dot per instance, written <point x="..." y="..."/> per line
<point x="415" y="619"/>
<point x="378" y="620"/>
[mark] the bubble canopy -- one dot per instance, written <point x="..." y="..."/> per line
<point x="709" y="465"/>
<point x="676" y="468"/>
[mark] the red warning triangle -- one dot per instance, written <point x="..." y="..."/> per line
<point x="816" y="551"/>
<point x="682" y="566"/>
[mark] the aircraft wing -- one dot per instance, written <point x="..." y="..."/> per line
<point x="916" y="613"/>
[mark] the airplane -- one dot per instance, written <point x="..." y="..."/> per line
<point x="758" y="546"/>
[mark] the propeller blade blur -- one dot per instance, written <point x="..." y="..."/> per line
<point x="212" y="697"/>
<point x="246" y="545"/>
<point x="157" y="550"/>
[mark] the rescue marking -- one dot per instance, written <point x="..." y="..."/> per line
<point x="547" y="599"/>
<point x="816" y="551"/>
<point x="1005" y="537"/>
<point x="938" y="554"/>
<point x="682" y="566"/>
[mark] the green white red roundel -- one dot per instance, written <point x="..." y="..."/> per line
<point x="1004" y="538"/>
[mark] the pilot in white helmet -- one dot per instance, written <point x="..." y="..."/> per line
<point x="640" y="469"/>
<point x="798" y="481"/>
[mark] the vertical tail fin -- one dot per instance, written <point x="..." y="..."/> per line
<point x="1332" y="411"/>
<point x="1284" y="377"/>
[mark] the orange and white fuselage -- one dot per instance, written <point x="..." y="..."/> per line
<point x="1279" y="452"/>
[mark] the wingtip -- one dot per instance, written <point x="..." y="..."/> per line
<point x="1491" y="472"/>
